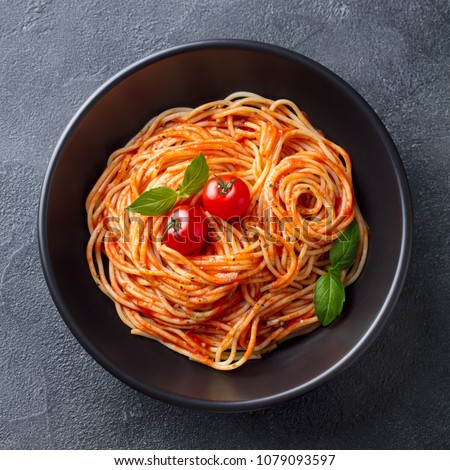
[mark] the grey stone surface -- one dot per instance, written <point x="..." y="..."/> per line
<point x="54" y="54"/>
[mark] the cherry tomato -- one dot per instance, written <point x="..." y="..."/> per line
<point x="226" y="196"/>
<point x="186" y="229"/>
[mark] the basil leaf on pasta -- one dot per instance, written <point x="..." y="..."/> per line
<point x="195" y="176"/>
<point x="156" y="201"/>
<point x="343" y="252"/>
<point x="329" y="296"/>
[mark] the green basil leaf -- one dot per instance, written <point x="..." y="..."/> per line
<point x="195" y="176"/>
<point x="156" y="201"/>
<point x="343" y="252"/>
<point x="329" y="296"/>
<point x="334" y="270"/>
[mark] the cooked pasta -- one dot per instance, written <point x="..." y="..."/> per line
<point x="252" y="284"/>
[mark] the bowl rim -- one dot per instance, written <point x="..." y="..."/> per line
<point x="355" y="352"/>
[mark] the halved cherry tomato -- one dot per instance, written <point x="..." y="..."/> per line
<point x="226" y="196"/>
<point x="186" y="229"/>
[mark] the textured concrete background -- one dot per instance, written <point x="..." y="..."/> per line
<point x="54" y="54"/>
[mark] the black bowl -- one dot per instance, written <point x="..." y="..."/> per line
<point x="188" y="76"/>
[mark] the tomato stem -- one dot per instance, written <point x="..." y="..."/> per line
<point x="224" y="188"/>
<point x="173" y="222"/>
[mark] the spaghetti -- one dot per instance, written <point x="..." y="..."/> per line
<point x="252" y="286"/>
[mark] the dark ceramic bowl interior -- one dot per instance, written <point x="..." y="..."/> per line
<point x="188" y="76"/>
